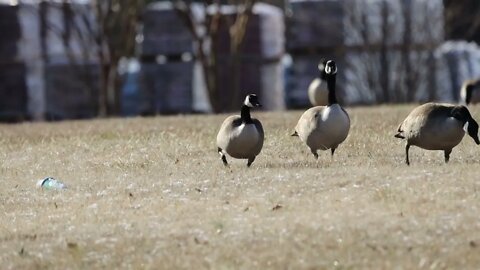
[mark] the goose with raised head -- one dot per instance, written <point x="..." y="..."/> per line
<point x="241" y="136"/>
<point x="318" y="90"/>
<point x="470" y="92"/>
<point x="324" y="127"/>
<point x="437" y="126"/>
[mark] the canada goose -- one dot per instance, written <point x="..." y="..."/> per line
<point x="435" y="126"/>
<point x="241" y="136"/>
<point x="317" y="90"/>
<point x="324" y="127"/>
<point x="470" y="93"/>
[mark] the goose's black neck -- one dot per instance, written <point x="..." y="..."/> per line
<point x="245" y="115"/>
<point x="332" y="96"/>
<point x="469" y="92"/>
<point x="323" y="75"/>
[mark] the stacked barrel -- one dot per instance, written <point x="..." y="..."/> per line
<point x="374" y="43"/>
<point x="173" y="80"/>
<point x="167" y="63"/>
<point x="71" y="73"/>
<point x="314" y="32"/>
<point x="13" y="88"/>
<point x="39" y="77"/>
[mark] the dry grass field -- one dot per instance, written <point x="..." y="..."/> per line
<point x="152" y="193"/>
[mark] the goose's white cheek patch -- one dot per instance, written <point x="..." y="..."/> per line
<point x="465" y="127"/>
<point x="247" y="102"/>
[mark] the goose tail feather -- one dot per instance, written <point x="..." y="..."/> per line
<point x="400" y="133"/>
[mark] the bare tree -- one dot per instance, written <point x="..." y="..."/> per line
<point x="463" y="19"/>
<point x="206" y="34"/>
<point x="116" y="22"/>
<point x="384" y="58"/>
<point x="106" y="30"/>
<point x="396" y="41"/>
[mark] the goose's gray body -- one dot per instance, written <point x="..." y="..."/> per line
<point x="318" y="92"/>
<point x="240" y="140"/>
<point x="437" y="126"/>
<point x="431" y="126"/>
<point x="318" y="88"/>
<point x="324" y="127"/>
<point x="241" y="136"/>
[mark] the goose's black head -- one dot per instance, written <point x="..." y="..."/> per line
<point x="252" y="101"/>
<point x="469" y="92"/>
<point x="473" y="130"/>
<point x="330" y="67"/>
<point x="462" y="114"/>
<point x="321" y="67"/>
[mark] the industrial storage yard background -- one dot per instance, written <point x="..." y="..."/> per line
<point x="152" y="192"/>
<point x="387" y="51"/>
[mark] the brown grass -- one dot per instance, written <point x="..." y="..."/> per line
<point x="153" y="193"/>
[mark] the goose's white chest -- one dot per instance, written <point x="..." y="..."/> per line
<point x="335" y="121"/>
<point x="245" y="134"/>
<point x="332" y="128"/>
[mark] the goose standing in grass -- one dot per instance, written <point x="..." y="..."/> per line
<point x="435" y="126"/>
<point x="470" y="92"/>
<point x="317" y="90"/>
<point x="324" y="127"/>
<point x="241" y="136"/>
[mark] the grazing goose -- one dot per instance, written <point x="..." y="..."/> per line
<point x="317" y="90"/>
<point x="241" y="136"/>
<point x="324" y="127"/>
<point x="470" y="92"/>
<point x="435" y="126"/>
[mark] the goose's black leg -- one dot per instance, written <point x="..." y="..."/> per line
<point x="447" y="155"/>
<point x="222" y="155"/>
<point x="333" y="151"/>
<point x="407" y="160"/>
<point x="250" y="161"/>
<point x="314" y="153"/>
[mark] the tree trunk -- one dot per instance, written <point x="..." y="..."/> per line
<point x="384" y="65"/>
<point x="113" y="87"/>
<point x="211" y="70"/>
<point x="103" y="87"/>
<point x="406" y="51"/>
